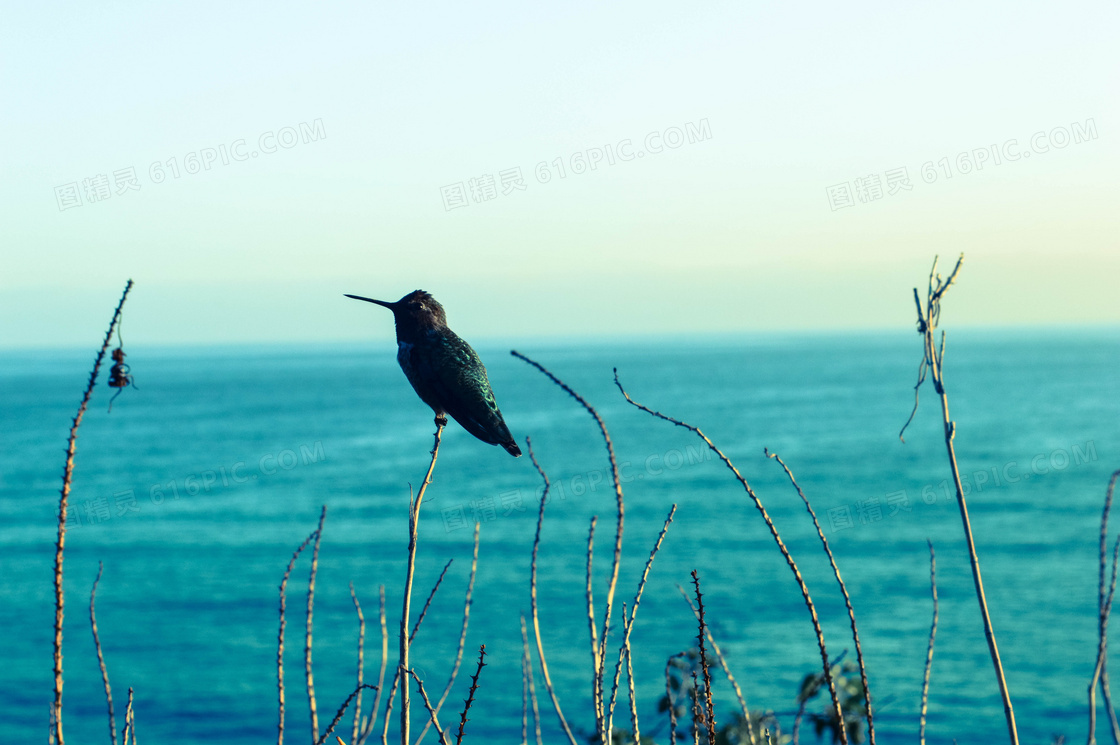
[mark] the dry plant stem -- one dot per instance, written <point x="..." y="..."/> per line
<point x="533" y="598"/>
<point x="843" y="591"/>
<point x="628" y="620"/>
<point x="367" y="727"/>
<point x="697" y="710"/>
<point x="463" y="633"/>
<point x="596" y="680"/>
<point x="929" y="650"/>
<point x="428" y="705"/>
<point x="525" y="668"/>
<point x="307" y="638"/>
<point x="927" y="325"/>
<point x="726" y="668"/>
<point x="428" y="602"/>
<point x="63" y="505"/>
<point x="1098" y="670"/>
<point x="633" y="695"/>
<point x="1103" y="622"/>
<point x="361" y="665"/>
<point x="773" y="532"/>
<point x="341" y="712"/>
<point x="470" y="694"/>
<point x="129" y="732"/>
<point x="530" y="684"/>
<point x="413" y="528"/>
<point x="613" y="581"/>
<point x="280" y="640"/>
<point x="101" y="659"/>
<point x="671" y="700"/>
<point x="701" y="634"/>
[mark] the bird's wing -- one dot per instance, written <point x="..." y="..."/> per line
<point x="458" y="379"/>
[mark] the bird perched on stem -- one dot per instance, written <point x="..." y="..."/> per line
<point x="443" y="369"/>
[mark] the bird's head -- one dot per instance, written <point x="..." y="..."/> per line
<point x="416" y="310"/>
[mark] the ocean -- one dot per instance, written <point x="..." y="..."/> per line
<point x="198" y="486"/>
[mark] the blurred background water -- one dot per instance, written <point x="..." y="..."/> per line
<point x="200" y="484"/>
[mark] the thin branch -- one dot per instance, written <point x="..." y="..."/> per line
<point x="933" y="359"/>
<point x="773" y="532"/>
<point x="616" y="480"/>
<point x="428" y="602"/>
<point x="843" y="591"/>
<point x="413" y="528"/>
<point x="361" y="665"/>
<point x="533" y="598"/>
<point x="726" y="668"/>
<point x="710" y="719"/>
<point x="129" y="732"/>
<point x="462" y="631"/>
<point x="1102" y="625"/>
<point x="929" y="650"/>
<point x="101" y="659"/>
<point x="632" y="694"/>
<point x="63" y="506"/>
<point x="596" y="679"/>
<point x="307" y="639"/>
<point x="670" y="699"/>
<point x="470" y="695"/>
<point x="530" y="685"/>
<point x="628" y="621"/>
<point x="428" y="705"/>
<point x="341" y="712"/>
<point x="280" y="639"/>
<point x="1100" y="650"/>
<point x="367" y="728"/>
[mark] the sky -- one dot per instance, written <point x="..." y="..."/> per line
<point x="757" y="167"/>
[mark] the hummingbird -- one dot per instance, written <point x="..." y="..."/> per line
<point x="443" y="369"/>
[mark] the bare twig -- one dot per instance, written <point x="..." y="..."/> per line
<point x="530" y="686"/>
<point x="700" y="636"/>
<point x="361" y="665"/>
<point x="280" y="639"/>
<point x="932" y="360"/>
<point x="596" y="679"/>
<point x="101" y="659"/>
<point x="726" y="668"/>
<point x="341" y="712"/>
<point x="670" y="699"/>
<point x="613" y="580"/>
<point x="63" y="506"/>
<point x="1102" y="627"/>
<point x="1100" y="650"/>
<point x="533" y="598"/>
<point x="428" y="602"/>
<point x="413" y="528"/>
<point x="367" y="727"/>
<point x="697" y="709"/>
<point x="462" y="632"/>
<point x="628" y="620"/>
<point x="929" y="650"/>
<point x="129" y="732"/>
<point x="428" y="705"/>
<point x="470" y="695"/>
<point x="773" y="532"/>
<point x="843" y="591"/>
<point x="633" y="696"/>
<point x="307" y="638"/>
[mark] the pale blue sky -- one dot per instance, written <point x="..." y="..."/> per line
<point x="734" y="232"/>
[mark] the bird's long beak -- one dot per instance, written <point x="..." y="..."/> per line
<point x="382" y="303"/>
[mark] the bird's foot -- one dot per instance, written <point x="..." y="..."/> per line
<point x="441" y="420"/>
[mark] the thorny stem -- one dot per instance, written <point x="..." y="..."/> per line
<point x="933" y="358"/>
<point x="470" y="695"/>
<point x="929" y="650"/>
<point x="63" y="504"/>
<point x="101" y="659"/>
<point x="777" y="540"/>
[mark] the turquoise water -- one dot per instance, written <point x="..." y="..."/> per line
<point x="200" y="484"/>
